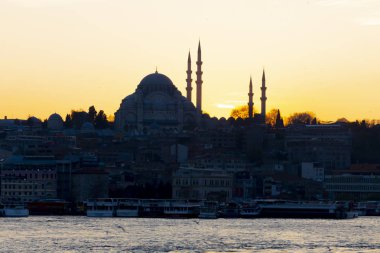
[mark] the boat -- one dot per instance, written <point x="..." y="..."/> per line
<point x="181" y="209"/>
<point x="167" y="208"/>
<point x="127" y="208"/>
<point x="373" y="208"/>
<point x="209" y="210"/>
<point x="49" y="207"/>
<point x="230" y="210"/>
<point x="15" y="210"/>
<point x="361" y="208"/>
<point x="152" y="208"/>
<point x="298" y="209"/>
<point x="104" y="207"/>
<point x="250" y="210"/>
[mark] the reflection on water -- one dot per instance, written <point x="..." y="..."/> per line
<point x="72" y="234"/>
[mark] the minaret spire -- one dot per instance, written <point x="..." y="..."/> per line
<point x="250" y="100"/>
<point x="189" y="80"/>
<point x="263" y="98"/>
<point x="199" y="78"/>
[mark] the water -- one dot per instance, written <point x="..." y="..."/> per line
<point x="82" y="234"/>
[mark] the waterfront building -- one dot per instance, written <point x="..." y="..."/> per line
<point x="328" y="145"/>
<point x="199" y="183"/>
<point x="360" y="183"/>
<point x="28" y="178"/>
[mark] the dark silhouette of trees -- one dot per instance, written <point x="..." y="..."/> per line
<point x="92" y="113"/>
<point x="279" y="121"/>
<point x="305" y="118"/>
<point x="240" y="112"/>
<point x="101" y="121"/>
<point x="79" y="118"/>
<point x="68" y="122"/>
<point x="270" y="117"/>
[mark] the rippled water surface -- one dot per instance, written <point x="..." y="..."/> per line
<point x="73" y="234"/>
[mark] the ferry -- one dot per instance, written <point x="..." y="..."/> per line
<point x="160" y="208"/>
<point x="151" y="208"/>
<point x="368" y="208"/>
<point x="230" y="210"/>
<point x="49" y="207"/>
<point x="105" y="207"/>
<point x="127" y="208"/>
<point x="296" y="209"/>
<point x="250" y="210"/>
<point x="14" y="210"/>
<point x="209" y="210"/>
<point x="181" y="209"/>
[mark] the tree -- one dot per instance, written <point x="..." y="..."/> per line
<point x="92" y="114"/>
<point x="270" y="117"/>
<point x="240" y="112"/>
<point x="279" y="121"/>
<point x="304" y="118"/>
<point x="68" y="121"/>
<point x="101" y="121"/>
<point x="79" y="117"/>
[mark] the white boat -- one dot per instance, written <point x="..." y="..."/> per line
<point x="209" y="210"/>
<point x="181" y="209"/>
<point x="127" y="208"/>
<point x="299" y="209"/>
<point x="101" y="207"/>
<point x="15" y="210"/>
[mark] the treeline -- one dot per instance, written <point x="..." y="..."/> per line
<point x="274" y="119"/>
<point x="77" y="118"/>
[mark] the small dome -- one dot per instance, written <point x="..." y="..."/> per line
<point x="34" y="121"/>
<point x="55" y="122"/>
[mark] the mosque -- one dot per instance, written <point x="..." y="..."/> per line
<point x="158" y="104"/>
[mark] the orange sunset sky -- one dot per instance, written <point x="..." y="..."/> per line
<point x="319" y="55"/>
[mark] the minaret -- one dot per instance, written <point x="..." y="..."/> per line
<point x="263" y="98"/>
<point x="250" y="100"/>
<point x="199" y="79"/>
<point x="189" y="80"/>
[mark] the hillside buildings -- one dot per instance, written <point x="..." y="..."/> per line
<point x="162" y="145"/>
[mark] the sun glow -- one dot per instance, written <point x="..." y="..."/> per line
<point x="319" y="56"/>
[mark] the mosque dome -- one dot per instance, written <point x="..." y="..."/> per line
<point x="156" y="82"/>
<point x="155" y="104"/>
<point x="34" y="121"/>
<point x="55" y="122"/>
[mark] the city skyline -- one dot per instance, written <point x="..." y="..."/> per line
<point x="63" y="55"/>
